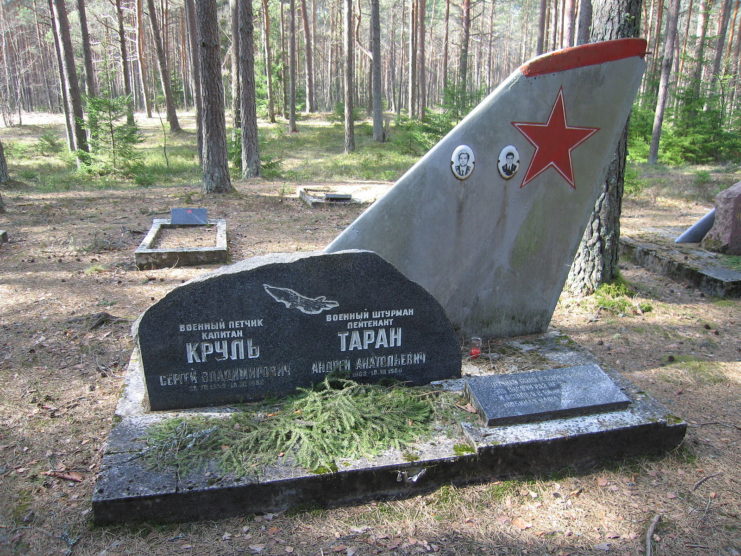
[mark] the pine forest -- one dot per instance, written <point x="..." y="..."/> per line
<point x="419" y="63"/>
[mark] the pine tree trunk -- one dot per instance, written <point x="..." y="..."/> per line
<point x="309" y="60"/>
<point x="446" y="45"/>
<point x="349" y="70"/>
<point x="422" y="82"/>
<point x="597" y="257"/>
<point x="61" y="23"/>
<point x="292" y="69"/>
<point x="215" y="168"/>
<point x="699" y="54"/>
<point x="585" y="21"/>
<point x="142" y="59"/>
<point x="720" y="42"/>
<point x="4" y="176"/>
<point x="539" y="49"/>
<point x="378" y="134"/>
<point x="87" y="55"/>
<point x="569" y="23"/>
<point x="124" y="67"/>
<point x="190" y="13"/>
<point x="250" y="151"/>
<point x="465" y="34"/>
<point x="172" y="117"/>
<point x="69" y="122"/>
<point x="666" y="67"/>
<point x="412" y="87"/>
<point x="234" y="10"/>
<point x="268" y="60"/>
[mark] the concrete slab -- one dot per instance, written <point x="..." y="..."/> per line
<point x="127" y="490"/>
<point x="325" y="196"/>
<point x="147" y="257"/>
<point x="686" y="262"/>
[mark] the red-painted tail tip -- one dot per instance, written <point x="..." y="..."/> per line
<point x="584" y="55"/>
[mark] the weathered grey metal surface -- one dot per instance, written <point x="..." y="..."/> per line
<point x="496" y="253"/>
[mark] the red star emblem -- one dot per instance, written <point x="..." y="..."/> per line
<point x="553" y="142"/>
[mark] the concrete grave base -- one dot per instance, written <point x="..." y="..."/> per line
<point x="147" y="257"/>
<point x="126" y="490"/>
<point x="687" y="263"/>
<point x="324" y="196"/>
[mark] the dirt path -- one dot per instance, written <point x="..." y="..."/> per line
<point x="69" y="292"/>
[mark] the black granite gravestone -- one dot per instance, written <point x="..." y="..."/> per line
<point x="188" y="216"/>
<point x="265" y="326"/>
<point x="538" y="395"/>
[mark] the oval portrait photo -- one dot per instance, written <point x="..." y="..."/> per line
<point x="509" y="162"/>
<point x="462" y="162"/>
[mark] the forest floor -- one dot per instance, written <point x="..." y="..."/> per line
<point x="70" y="258"/>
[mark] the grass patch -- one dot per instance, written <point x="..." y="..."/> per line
<point x="688" y="368"/>
<point x="731" y="261"/>
<point x="617" y="298"/>
<point x="340" y="419"/>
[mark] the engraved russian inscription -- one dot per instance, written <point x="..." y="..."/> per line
<point x="266" y="326"/>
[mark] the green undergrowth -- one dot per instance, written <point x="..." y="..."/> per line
<point x="731" y="261"/>
<point x="689" y="368"/>
<point x="338" y="419"/>
<point x="617" y="297"/>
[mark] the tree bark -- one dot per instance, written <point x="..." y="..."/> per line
<point x="4" y="176"/>
<point x="666" y="68"/>
<point x="235" y="11"/>
<point x="596" y="259"/>
<point x="309" y="60"/>
<point x="569" y="17"/>
<point x="124" y="60"/>
<point x="349" y="63"/>
<point x="68" y="120"/>
<point x="142" y="59"/>
<point x="465" y="34"/>
<point x="539" y="49"/>
<point x="378" y="134"/>
<point x="446" y="42"/>
<point x="87" y="55"/>
<point x="422" y="79"/>
<point x="412" y="87"/>
<point x="215" y="167"/>
<point x="585" y="21"/>
<point x="190" y="14"/>
<point x="292" y="69"/>
<point x="720" y="42"/>
<point x="61" y="23"/>
<point x="172" y="117"/>
<point x="699" y="54"/>
<point x="250" y="151"/>
<point x="268" y="60"/>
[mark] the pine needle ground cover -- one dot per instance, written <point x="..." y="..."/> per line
<point x="317" y="429"/>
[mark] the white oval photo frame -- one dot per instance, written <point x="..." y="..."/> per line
<point x="508" y="162"/>
<point x="462" y="162"/>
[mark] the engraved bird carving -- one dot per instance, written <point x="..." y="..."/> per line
<point x="294" y="300"/>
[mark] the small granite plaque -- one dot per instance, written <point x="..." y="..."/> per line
<point x="188" y="216"/>
<point x="267" y="325"/>
<point x="539" y="395"/>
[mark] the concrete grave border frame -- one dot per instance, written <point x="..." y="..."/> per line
<point x="147" y="257"/>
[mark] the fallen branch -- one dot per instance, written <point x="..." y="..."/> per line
<point x="698" y="483"/>
<point x="650" y="533"/>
